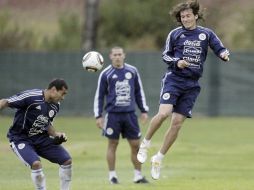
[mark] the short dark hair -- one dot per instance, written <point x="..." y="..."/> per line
<point x="194" y="5"/>
<point x="116" y="47"/>
<point x="58" y="83"/>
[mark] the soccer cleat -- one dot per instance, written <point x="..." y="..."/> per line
<point x="114" y="180"/>
<point x="142" y="180"/>
<point x="142" y="153"/>
<point x="156" y="167"/>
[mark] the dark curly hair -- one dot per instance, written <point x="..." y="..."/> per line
<point x="194" y="5"/>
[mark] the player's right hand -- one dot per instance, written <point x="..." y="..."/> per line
<point x="99" y="122"/>
<point x="182" y="64"/>
<point x="59" y="139"/>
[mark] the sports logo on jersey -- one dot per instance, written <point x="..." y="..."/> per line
<point x="189" y="50"/>
<point x="123" y="93"/>
<point x="114" y="76"/>
<point x="39" y="125"/>
<point x="182" y="36"/>
<point x="21" y="146"/>
<point x="38" y="107"/>
<point x="202" y="36"/>
<point x="128" y="75"/>
<point x="166" y="96"/>
<point x="51" y="113"/>
<point x="109" y="131"/>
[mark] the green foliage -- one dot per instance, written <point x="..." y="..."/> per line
<point x="128" y="21"/>
<point x="12" y="37"/>
<point x="69" y="35"/>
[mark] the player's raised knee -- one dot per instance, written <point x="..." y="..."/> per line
<point x="36" y="165"/>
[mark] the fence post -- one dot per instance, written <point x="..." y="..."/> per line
<point x="214" y="78"/>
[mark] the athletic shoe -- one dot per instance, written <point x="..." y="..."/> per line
<point x="156" y="167"/>
<point x="142" y="153"/>
<point x="142" y="180"/>
<point x="114" y="180"/>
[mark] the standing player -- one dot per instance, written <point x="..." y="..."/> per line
<point x="121" y="85"/>
<point x="185" y="53"/>
<point x="32" y="134"/>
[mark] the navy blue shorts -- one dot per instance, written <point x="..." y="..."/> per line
<point x="28" y="151"/>
<point x="180" y="92"/>
<point x="125" y="124"/>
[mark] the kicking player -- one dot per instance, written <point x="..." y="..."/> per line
<point x="120" y="83"/>
<point x="185" y="53"/>
<point x="32" y="134"/>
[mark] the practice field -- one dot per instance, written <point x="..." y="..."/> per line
<point x="210" y="154"/>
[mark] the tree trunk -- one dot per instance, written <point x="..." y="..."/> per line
<point x="89" y="32"/>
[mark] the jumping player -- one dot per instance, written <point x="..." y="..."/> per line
<point x="185" y="53"/>
<point x="32" y="134"/>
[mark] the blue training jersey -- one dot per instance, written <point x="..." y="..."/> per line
<point x="33" y="115"/>
<point x="191" y="46"/>
<point x="122" y="88"/>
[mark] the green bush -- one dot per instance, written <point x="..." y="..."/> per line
<point x="69" y="35"/>
<point x="12" y="37"/>
<point x="127" y="21"/>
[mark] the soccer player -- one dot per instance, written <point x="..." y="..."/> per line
<point x="32" y="134"/>
<point x="185" y="53"/>
<point x="121" y="85"/>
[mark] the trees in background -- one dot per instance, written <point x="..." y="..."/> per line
<point x="89" y="32"/>
<point x="133" y="24"/>
<point x="136" y="24"/>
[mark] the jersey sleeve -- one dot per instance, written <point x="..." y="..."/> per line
<point x="139" y="94"/>
<point x="216" y="44"/>
<point x="168" y="53"/>
<point x="99" y="95"/>
<point x="22" y="99"/>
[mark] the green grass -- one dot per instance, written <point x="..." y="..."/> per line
<point x="210" y="154"/>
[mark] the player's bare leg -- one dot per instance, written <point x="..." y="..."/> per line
<point x="156" y="122"/>
<point x="111" y="159"/>
<point x="172" y="133"/>
<point x="138" y="177"/>
<point x="169" y="138"/>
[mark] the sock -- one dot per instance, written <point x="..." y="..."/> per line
<point x="65" y="173"/>
<point x="160" y="156"/>
<point x="38" y="179"/>
<point x="137" y="175"/>
<point x="112" y="174"/>
<point x="146" y="142"/>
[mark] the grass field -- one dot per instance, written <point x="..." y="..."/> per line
<point x="210" y="154"/>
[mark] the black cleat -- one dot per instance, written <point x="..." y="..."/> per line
<point x="142" y="180"/>
<point x="114" y="180"/>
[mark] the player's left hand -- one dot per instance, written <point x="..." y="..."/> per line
<point x="225" y="55"/>
<point x="143" y="118"/>
<point x="60" y="138"/>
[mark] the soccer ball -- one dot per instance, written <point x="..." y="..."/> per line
<point x="92" y="61"/>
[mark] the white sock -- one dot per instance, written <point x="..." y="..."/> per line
<point x="146" y="142"/>
<point x="137" y="175"/>
<point x="38" y="179"/>
<point x="112" y="174"/>
<point x="160" y="156"/>
<point x="65" y="173"/>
